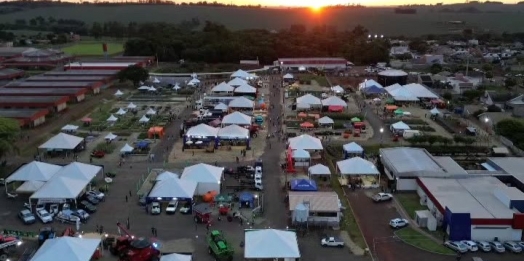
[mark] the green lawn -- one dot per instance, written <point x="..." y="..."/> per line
<point x="416" y="239"/>
<point x="410" y="202"/>
<point x="93" y="49"/>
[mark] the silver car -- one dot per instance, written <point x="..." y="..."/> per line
<point x="456" y="246"/>
<point x="484" y="246"/>
<point x="497" y="247"/>
<point x="512" y="247"/>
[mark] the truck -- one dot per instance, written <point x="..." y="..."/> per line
<point x="218" y="246"/>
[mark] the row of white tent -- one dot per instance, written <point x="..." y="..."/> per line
<point x="224" y="87"/>
<point x="309" y="100"/>
<point x="120" y="112"/>
<point x="408" y="92"/>
<point x="243" y="75"/>
<point x="229" y="132"/>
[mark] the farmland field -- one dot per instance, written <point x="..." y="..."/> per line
<point x="428" y="20"/>
<point x="92" y="49"/>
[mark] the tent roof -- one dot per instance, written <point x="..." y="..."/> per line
<point x="246" y="88"/>
<point x="173" y="188"/>
<point x="305" y="142"/>
<point x="223" y="87"/>
<point x="119" y="93"/>
<point x="357" y="166"/>
<point x="121" y="112"/>
<point x="301" y="154"/>
<point x="241" y="102"/>
<point x="30" y="186"/>
<point x="233" y="131"/>
<point x="167" y="175"/>
<point x="353" y="147"/>
<point x="420" y="91"/>
<point x="400" y="126"/>
<point x="202" y="130"/>
<point x="67" y="248"/>
<point x="369" y="83"/>
<point x="61" y="188"/>
<point x="112" y="118"/>
<point x="319" y="169"/>
<point x="176" y="257"/>
<point x="303" y="185"/>
<point x="434" y="111"/>
<point x="194" y="81"/>
<point x="127" y="148"/>
<point x="150" y="112"/>
<point x="236" y="82"/>
<point x="237" y="118"/>
<point x="309" y="99"/>
<point x="303" y="105"/>
<point x="79" y="171"/>
<point x="62" y="141"/>
<point x="221" y="106"/>
<point x="326" y="120"/>
<point x="334" y="101"/>
<point x="131" y="105"/>
<point x="393" y="87"/>
<point x="144" y="119"/>
<point x="34" y="171"/>
<point x="240" y="74"/>
<point x="288" y="76"/>
<point x="69" y="127"/>
<point x="373" y="90"/>
<point x="337" y="89"/>
<point x="203" y="173"/>
<point x="402" y="94"/>
<point x="110" y="136"/>
<point x="270" y="243"/>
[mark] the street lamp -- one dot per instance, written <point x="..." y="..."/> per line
<point x="381" y="133"/>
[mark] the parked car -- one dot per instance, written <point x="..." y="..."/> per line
<point x="512" y="247"/>
<point x="398" y="223"/>
<point x="82" y="214"/>
<point x="97" y="194"/>
<point x="91" y="199"/>
<point x="521" y="244"/>
<point x="67" y="216"/>
<point x="472" y="246"/>
<point x="484" y="246"/>
<point x="171" y="207"/>
<point x="98" y="154"/>
<point x="26" y="216"/>
<point x="382" y="197"/>
<point x="456" y="246"/>
<point x="155" y="208"/>
<point x="186" y="209"/>
<point x="331" y="242"/>
<point x="497" y="246"/>
<point x="44" y="216"/>
<point x="88" y="207"/>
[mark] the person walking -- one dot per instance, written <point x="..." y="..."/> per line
<point x="126" y="199"/>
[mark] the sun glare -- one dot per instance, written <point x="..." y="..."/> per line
<point x="316" y="8"/>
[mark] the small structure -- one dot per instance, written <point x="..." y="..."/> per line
<point x="271" y="244"/>
<point x="151" y="112"/>
<point x="241" y="74"/>
<point x="319" y="170"/>
<point x="242" y="104"/>
<point x="237" y="82"/>
<point x="303" y="185"/>
<point x="193" y="82"/>
<point x="313" y="101"/>
<point x="357" y="166"/>
<point x="352" y="149"/>
<point x="434" y="112"/>
<point x="156" y="132"/>
<point x="201" y="130"/>
<point x="221" y="106"/>
<point x="236" y="118"/>
<point x="338" y="90"/>
<point x="172" y="188"/>
<point x="121" y="112"/>
<point x="62" y="141"/>
<point x="233" y="132"/>
<point x="288" y="77"/>
<point x="176" y="257"/>
<point x="119" y="93"/>
<point x="112" y="119"/>
<point x="110" y="137"/>
<point x="68" y="248"/>
<point x="326" y="122"/>
<point x="131" y="106"/>
<point x="144" y="119"/>
<point x="324" y="207"/>
<point x="245" y="90"/>
<point x="301" y="158"/>
<point x="222" y="88"/>
<point x="247" y="199"/>
<point x="70" y="128"/>
<point x="207" y="177"/>
<point x="126" y="149"/>
<point x="399" y="127"/>
<point x="305" y="142"/>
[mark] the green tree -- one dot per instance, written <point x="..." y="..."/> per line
<point x="134" y="73"/>
<point x="447" y="96"/>
<point x="487" y="67"/>
<point x="510" y="82"/>
<point x="489" y="75"/>
<point x="9" y="132"/>
<point x="436" y="68"/>
<point x="96" y="30"/>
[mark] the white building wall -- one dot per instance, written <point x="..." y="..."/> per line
<point x="488" y="233"/>
<point x="203" y="188"/>
<point x="407" y="184"/>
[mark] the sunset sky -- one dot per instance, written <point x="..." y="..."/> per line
<point x="335" y="2"/>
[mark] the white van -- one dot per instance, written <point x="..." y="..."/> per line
<point x="410" y="133"/>
<point x="198" y="104"/>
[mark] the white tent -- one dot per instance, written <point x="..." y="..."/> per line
<point x="34" y="171"/>
<point x="434" y="111"/>
<point x="194" y="75"/>
<point x="207" y="177"/>
<point x="309" y="99"/>
<point x="245" y="88"/>
<point x="30" y="186"/>
<point x="173" y="188"/>
<point x="110" y="136"/>
<point x="151" y="112"/>
<point x="288" y="76"/>
<point x="176" y="87"/>
<point x="369" y="83"/>
<point x="337" y="89"/>
<point x="61" y="188"/>
<point x="67" y="248"/>
<point x="221" y="107"/>
<point x="237" y="118"/>
<point x="127" y="149"/>
<point x="241" y="74"/>
<point x="69" y="127"/>
<point x="156" y="80"/>
<point x="62" y="141"/>
<point x="305" y="142"/>
<point x="119" y="93"/>
<point x="166" y="175"/>
<point x="131" y="106"/>
<point x="144" y="88"/>
<point x="353" y="148"/>
<point x="237" y="82"/>
<point x="241" y="102"/>
<point x="176" y="257"/>
<point x="393" y="87"/>
<point x="144" y="119"/>
<point x="302" y="68"/>
<point x="222" y="87"/>
<point x="120" y="112"/>
<point x="202" y="130"/>
<point x="357" y="166"/>
<point x="420" y="91"/>
<point x="79" y="171"/>
<point x="400" y="126"/>
<point x="326" y="120"/>
<point x="300" y="154"/>
<point x="112" y="118"/>
<point x="233" y="132"/>
<point x="402" y="94"/>
<point x="152" y="89"/>
<point x="271" y="244"/>
<point x="319" y="169"/>
<point x="303" y="106"/>
<point x="334" y="101"/>
<point x="193" y="82"/>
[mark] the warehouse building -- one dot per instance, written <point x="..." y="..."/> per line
<point x="511" y="166"/>
<point x="67" y="78"/>
<point x="75" y="94"/>
<point x="108" y="73"/>
<point x="93" y="86"/>
<point x="320" y="208"/>
<point x="53" y="103"/>
<point x="33" y="58"/>
<point x="11" y="74"/>
<point x="475" y="207"/>
<point x="28" y="118"/>
<point x="100" y="65"/>
<point x="318" y="62"/>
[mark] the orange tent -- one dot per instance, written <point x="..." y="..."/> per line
<point x="391" y="107"/>
<point x="302" y="115"/>
<point x="307" y="125"/>
<point x="155" y="131"/>
<point x="209" y="196"/>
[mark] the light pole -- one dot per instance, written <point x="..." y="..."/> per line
<point x="486" y="120"/>
<point x="381" y="135"/>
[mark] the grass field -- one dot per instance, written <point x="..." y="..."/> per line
<point x="93" y="49"/>
<point x="416" y="239"/>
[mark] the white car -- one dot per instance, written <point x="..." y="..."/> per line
<point x="44" y="216"/>
<point x="258" y="179"/>
<point x="497" y="246"/>
<point x="398" y="223"/>
<point x="331" y="242"/>
<point x="258" y="171"/>
<point x="379" y="197"/>
<point x="512" y="247"/>
<point x="155" y="208"/>
<point x="171" y="207"/>
<point x="472" y="246"/>
<point x="484" y="246"/>
<point x="97" y="194"/>
<point x="456" y="246"/>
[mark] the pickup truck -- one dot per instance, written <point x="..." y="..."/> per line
<point x="331" y="242"/>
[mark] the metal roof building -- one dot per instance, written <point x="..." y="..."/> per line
<point x="101" y="65"/>
<point x="76" y="94"/>
<point x="10" y="74"/>
<point x="26" y="117"/>
<point x="58" y="103"/>
<point x="313" y="62"/>
<point x="82" y="73"/>
<point x="68" y="78"/>
<point x="94" y="86"/>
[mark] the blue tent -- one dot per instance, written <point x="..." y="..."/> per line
<point x="373" y="89"/>
<point x="142" y="144"/>
<point x="246" y="199"/>
<point x="303" y="185"/>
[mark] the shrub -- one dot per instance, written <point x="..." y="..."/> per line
<point x="342" y="116"/>
<point x="106" y="147"/>
<point x="142" y="135"/>
<point x="423" y="128"/>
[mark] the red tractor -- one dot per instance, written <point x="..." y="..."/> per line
<point x="129" y="248"/>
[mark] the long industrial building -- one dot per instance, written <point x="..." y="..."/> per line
<point x="313" y="62"/>
<point x="66" y="78"/>
<point x="82" y="73"/>
<point x="26" y="117"/>
<point x="56" y="103"/>
<point x="94" y="86"/>
<point x="76" y="94"/>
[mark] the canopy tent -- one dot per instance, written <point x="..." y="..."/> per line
<point x="334" y="101"/>
<point x="62" y="141"/>
<point x="402" y="94"/>
<point x="300" y="154"/>
<point x="399" y="112"/>
<point x="368" y="83"/>
<point x="400" y="126"/>
<point x="355" y="119"/>
<point x="156" y="80"/>
<point x="120" y="112"/>
<point x="326" y="120"/>
<point x="34" y="171"/>
<point x="333" y="108"/>
<point x="61" y="188"/>
<point x="119" y="93"/>
<point x="237" y="82"/>
<point x="152" y="89"/>
<point x="288" y="76"/>
<point x="177" y="87"/>
<point x="167" y="175"/>
<point x="173" y="188"/>
<point x="194" y="75"/>
<point x="131" y="106"/>
<point x="237" y="118"/>
<point x="69" y="127"/>
<point x="245" y="88"/>
<point x="303" y="185"/>
<point x="144" y="119"/>
<point x="393" y="87"/>
<point x="67" y="248"/>
<point x="373" y="90"/>
<point x="110" y="136"/>
<point x="357" y="166"/>
<point x="305" y="106"/>
<point x="352" y="148"/>
<point x="150" y="112"/>
<point x="222" y="87"/>
<point x="309" y="99"/>
<point x="142" y="144"/>
<point x="319" y="169"/>
<point x="241" y="74"/>
<point x="176" y="257"/>
<point x="112" y="118"/>
<point x="233" y="132"/>
<point x="155" y="131"/>
<point x="246" y="198"/>
<point x="305" y="142"/>
<point x="193" y="82"/>
<point x="207" y="177"/>
<point x="221" y="106"/>
<point x="307" y="125"/>
<point x="79" y="171"/>
<point x="337" y="89"/>
<point x="420" y="91"/>
<point x="143" y="88"/>
<point x="127" y="149"/>
<point x="434" y="111"/>
<point x="202" y="130"/>
<point x="30" y="186"/>
<point x="270" y="244"/>
<point x="241" y="102"/>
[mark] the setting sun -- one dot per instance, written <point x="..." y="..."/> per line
<point x="316" y="8"/>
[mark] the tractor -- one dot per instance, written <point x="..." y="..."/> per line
<point x="218" y="247"/>
<point x="129" y="248"/>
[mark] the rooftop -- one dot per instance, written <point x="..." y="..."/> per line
<point x="404" y="161"/>
<point x="48" y="84"/>
<point x="83" y="72"/>
<point x="64" y="78"/>
<point x="22" y="91"/>
<point x="473" y="195"/>
<point x="9" y="71"/>
<point x="30" y="99"/>
<point x="104" y="64"/>
<point x="313" y="58"/>
<point x="10" y="51"/>
<point x="510" y="165"/>
<point x="450" y="165"/>
<point x="19" y="113"/>
<point x="318" y="201"/>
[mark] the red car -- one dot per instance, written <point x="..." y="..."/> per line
<point x="98" y="154"/>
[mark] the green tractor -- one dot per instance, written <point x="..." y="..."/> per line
<point x="218" y="247"/>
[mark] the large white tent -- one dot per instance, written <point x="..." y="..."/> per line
<point x="60" y="188"/>
<point x="334" y="101"/>
<point x="245" y="88"/>
<point x="34" y="171"/>
<point x="241" y="74"/>
<point x="221" y="106"/>
<point x="237" y="118"/>
<point x="62" y="141"/>
<point x="300" y="154"/>
<point x="309" y="99"/>
<point x="166" y="175"/>
<point x="80" y="171"/>
<point x="319" y="170"/>
<point x="357" y="166"/>
<point x="420" y="91"/>
<point x="67" y="248"/>
<point x="402" y="94"/>
<point x="173" y="188"/>
<point x="30" y="186"/>
<point x="70" y="128"/>
<point x="207" y="177"/>
<point x="176" y="257"/>
<point x="305" y="142"/>
<point x="237" y="82"/>
<point x="271" y="244"/>
<point x="241" y="102"/>
<point x="393" y="87"/>
<point x="233" y="132"/>
<point x="202" y="130"/>
<point x="369" y="83"/>
<point x="222" y="87"/>
<point x="353" y="148"/>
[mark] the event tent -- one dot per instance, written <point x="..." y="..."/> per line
<point x="241" y="74"/>
<point x="241" y="102"/>
<point x="237" y="82"/>
<point x="67" y="248"/>
<point x="221" y="106"/>
<point x="393" y="87"/>
<point x="399" y="126"/>
<point x="402" y="94"/>
<point x="151" y="112"/>
<point x="305" y="142"/>
<point x="300" y="154"/>
<point x="245" y="88"/>
<point x="61" y="188"/>
<point x="156" y="80"/>
<point x="176" y="257"/>
<point x="337" y="89"/>
<point x="237" y="118"/>
<point x="326" y="120"/>
<point x="368" y="83"/>
<point x="177" y="87"/>
<point x="309" y="99"/>
<point x="420" y="91"/>
<point x="131" y="106"/>
<point x="112" y="118"/>
<point x="233" y="132"/>
<point x="207" y="177"/>
<point x="303" y="106"/>
<point x="434" y="111"/>
<point x="373" y="90"/>
<point x="127" y="149"/>
<point x="166" y="175"/>
<point x="152" y="89"/>
<point x="143" y="88"/>
<point x="120" y="112"/>
<point x="79" y="171"/>
<point x="222" y="87"/>
<point x="193" y="82"/>
<point x="352" y="148"/>
<point x="62" y="141"/>
<point x="246" y="199"/>
<point x="69" y="127"/>
<point x="202" y="130"/>
<point x="144" y="119"/>
<point x="357" y="166"/>
<point x="270" y="244"/>
<point x="303" y="185"/>
<point x="118" y="93"/>
<point x="34" y="171"/>
<point x="30" y="186"/>
<point x="110" y="136"/>
<point x="288" y="76"/>
<point x="334" y="101"/>
<point x="173" y="188"/>
<point x="319" y="169"/>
